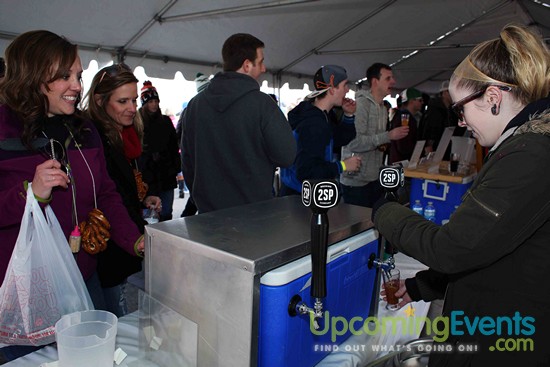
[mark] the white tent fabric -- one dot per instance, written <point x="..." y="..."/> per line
<point x="422" y="39"/>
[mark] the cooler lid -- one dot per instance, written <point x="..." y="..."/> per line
<point x="294" y="270"/>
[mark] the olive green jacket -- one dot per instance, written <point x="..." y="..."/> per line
<point x="495" y="250"/>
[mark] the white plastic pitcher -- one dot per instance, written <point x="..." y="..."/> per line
<point x="86" y="339"/>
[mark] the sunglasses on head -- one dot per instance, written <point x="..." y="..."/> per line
<point x="113" y="70"/>
<point x="458" y="107"/>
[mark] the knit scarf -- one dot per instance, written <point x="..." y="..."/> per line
<point x="131" y="143"/>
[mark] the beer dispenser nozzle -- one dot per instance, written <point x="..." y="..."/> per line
<point x="319" y="196"/>
<point x="386" y="265"/>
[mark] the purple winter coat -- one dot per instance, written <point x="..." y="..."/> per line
<point x="18" y="166"/>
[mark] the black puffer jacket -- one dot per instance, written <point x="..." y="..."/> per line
<point x="115" y="265"/>
<point x="494" y="251"/>
<point x="160" y="161"/>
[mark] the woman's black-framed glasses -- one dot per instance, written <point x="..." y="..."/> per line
<point x="458" y="107"/>
<point x="113" y="70"/>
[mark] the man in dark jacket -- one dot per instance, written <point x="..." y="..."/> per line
<point x="234" y="136"/>
<point x="402" y="149"/>
<point x="314" y="132"/>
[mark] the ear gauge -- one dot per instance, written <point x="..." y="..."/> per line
<point x="495" y="109"/>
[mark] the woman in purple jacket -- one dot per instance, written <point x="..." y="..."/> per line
<point x="38" y="99"/>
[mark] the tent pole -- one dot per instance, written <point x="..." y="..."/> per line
<point x="455" y="30"/>
<point x="149" y="24"/>
<point x="209" y="13"/>
<point x="340" y="34"/>
<point x="390" y="49"/>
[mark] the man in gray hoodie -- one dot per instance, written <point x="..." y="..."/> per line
<point x="371" y="118"/>
<point x="234" y="136"/>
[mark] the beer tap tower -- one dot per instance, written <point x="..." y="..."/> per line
<point x="319" y="196"/>
<point x="391" y="178"/>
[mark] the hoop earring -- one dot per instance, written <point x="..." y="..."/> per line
<point x="495" y="110"/>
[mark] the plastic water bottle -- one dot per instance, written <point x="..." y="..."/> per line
<point x="417" y="207"/>
<point x="429" y="211"/>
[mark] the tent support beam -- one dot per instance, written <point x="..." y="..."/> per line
<point x="457" y="29"/>
<point x="145" y="28"/>
<point x="237" y="9"/>
<point x="462" y="26"/>
<point x="390" y="49"/>
<point x="340" y="34"/>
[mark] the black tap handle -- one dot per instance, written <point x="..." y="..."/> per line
<point x="319" y="240"/>
<point x="319" y="196"/>
<point x="391" y="178"/>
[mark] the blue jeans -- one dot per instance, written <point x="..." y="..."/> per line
<point x="115" y="299"/>
<point x="108" y="299"/>
<point x="167" y="199"/>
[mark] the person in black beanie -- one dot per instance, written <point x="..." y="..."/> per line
<point x="160" y="160"/>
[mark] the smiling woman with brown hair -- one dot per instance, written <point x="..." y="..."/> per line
<point x="38" y="99"/>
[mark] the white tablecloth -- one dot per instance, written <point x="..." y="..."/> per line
<point x="127" y="339"/>
<point x="360" y="350"/>
<point x="354" y="352"/>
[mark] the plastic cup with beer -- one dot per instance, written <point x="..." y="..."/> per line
<point x="391" y="286"/>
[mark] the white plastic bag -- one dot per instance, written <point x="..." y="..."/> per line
<point x="42" y="282"/>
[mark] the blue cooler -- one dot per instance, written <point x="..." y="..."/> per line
<point x="443" y="195"/>
<point x="288" y="341"/>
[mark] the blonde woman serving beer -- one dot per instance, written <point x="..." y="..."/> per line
<point x="489" y="260"/>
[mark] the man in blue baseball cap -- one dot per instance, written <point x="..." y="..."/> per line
<point x="313" y="131"/>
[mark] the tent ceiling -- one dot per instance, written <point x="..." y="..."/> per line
<point x="166" y="36"/>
